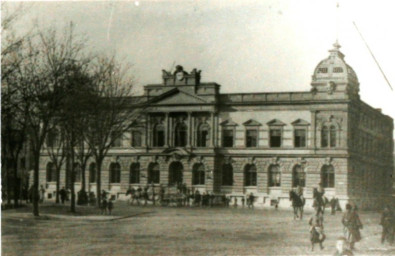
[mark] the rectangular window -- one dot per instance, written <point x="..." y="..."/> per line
<point x="136" y="139"/>
<point x="338" y="70"/>
<point x="251" y="138"/>
<point x="227" y="138"/>
<point x="275" y="138"/>
<point x="323" y="70"/>
<point x="300" y="138"/>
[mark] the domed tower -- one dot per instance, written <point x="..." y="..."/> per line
<point x="334" y="76"/>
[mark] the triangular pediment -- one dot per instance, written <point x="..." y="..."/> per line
<point x="275" y="122"/>
<point x="177" y="96"/>
<point x="228" y="123"/>
<point x="252" y="122"/>
<point x="300" y="122"/>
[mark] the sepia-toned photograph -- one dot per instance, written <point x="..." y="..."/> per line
<point x="197" y="127"/>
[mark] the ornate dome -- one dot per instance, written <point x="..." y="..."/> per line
<point x="334" y="74"/>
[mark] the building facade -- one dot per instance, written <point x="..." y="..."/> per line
<point x="264" y="143"/>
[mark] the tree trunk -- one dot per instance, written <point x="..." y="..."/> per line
<point x="83" y="182"/>
<point x="98" y="182"/>
<point x="9" y="180"/>
<point x="72" y="178"/>
<point x="35" y="183"/>
<point x="16" y="183"/>
<point x="57" y="184"/>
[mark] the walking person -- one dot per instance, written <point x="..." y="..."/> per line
<point x="387" y="221"/>
<point x="317" y="235"/>
<point x="104" y="206"/>
<point x="333" y="204"/>
<point x="110" y="206"/>
<point x="243" y="200"/>
<point x="145" y="195"/>
<point x="352" y="224"/>
<point x="63" y="195"/>
<point x="250" y="201"/>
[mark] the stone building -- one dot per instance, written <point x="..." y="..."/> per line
<point x="264" y="143"/>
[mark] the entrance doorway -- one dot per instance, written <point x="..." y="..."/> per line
<point x="175" y="173"/>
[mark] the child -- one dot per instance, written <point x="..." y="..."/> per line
<point x="317" y="230"/>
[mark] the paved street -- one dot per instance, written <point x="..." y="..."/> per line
<point x="174" y="231"/>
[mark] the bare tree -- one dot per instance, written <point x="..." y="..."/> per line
<point x="55" y="146"/>
<point x="110" y="111"/>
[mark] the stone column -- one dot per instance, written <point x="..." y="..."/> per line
<point x="189" y="130"/>
<point x="166" y="129"/>
<point x="193" y="133"/>
<point x="148" y="131"/>
<point x="212" y="130"/>
<point x="170" y="131"/>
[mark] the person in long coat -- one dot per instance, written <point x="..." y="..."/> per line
<point x="387" y="221"/>
<point x="352" y="224"/>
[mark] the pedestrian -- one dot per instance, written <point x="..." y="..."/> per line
<point x="387" y="221"/>
<point x="243" y="200"/>
<point x="104" y="206"/>
<point x="341" y="247"/>
<point x="317" y="230"/>
<point x="110" y="206"/>
<point x="103" y="194"/>
<point x="161" y="194"/>
<point x="235" y="202"/>
<point x="250" y="201"/>
<point x="145" y="195"/>
<point x="212" y="198"/>
<point x="333" y="204"/>
<point x="197" y="198"/>
<point x="352" y="224"/>
<point x="63" y="194"/>
<point x="42" y="194"/>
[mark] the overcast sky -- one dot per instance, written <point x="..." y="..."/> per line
<point x="246" y="46"/>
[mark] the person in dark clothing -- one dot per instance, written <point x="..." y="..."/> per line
<point x="145" y="195"/>
<point x="110" y="206"/>
<point x="317" y="230"/>
<point x="333" y="203"/>
<point x="250" y="201"/>
<point x="352" y="224"/>
<point x="243" y="200"/>
<point x="197" y="198"/>
<point x="104" y="206"/>
<point x="387" y="221"/>
<point x="211" y="199"/>
<point x="63" y="195"/>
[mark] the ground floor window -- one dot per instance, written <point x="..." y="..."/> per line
<point x="328" y="176"/>
<point x="198" y="174"/>
<point x="298" y="176"/>
<point x="134" y="176"/>
<point x="115" y="173"/>
<point x="274" y="176"/>
<point x="250" y="175"/>
<point x="153" y="173"/>
<point x="227" y="175"/>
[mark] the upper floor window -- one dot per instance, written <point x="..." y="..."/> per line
<point x="202" y="135"/>
<point x="337" y="70"/>
<point x="250" y="175"/>
<point x="300" y="138"/>
<point x="227" y="175"/>
<point x="198" y="174"/>
<point x="134" y="175"/>
<point x="274" y="176"/>
<point x="227" y="137"/>
<point x="51" y="172"/>
<point x="115" y="173"/>
<point x="52" y="138"/>
<point x="322" y="70"/>
<point x="251" y="138"/>
<point x="328" y="136"/>
<point x="328" y="176"/>
<point x="275" y="137"/>
<point x="158" y="138"/>
<point x="136" y="138"/>
<point x="180" y="135"/>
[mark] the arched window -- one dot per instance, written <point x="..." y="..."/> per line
<point x="328" y="176"/>
<point x="202" y="135"/>
<point x="250" y="175"/>
<point x="274" y="176"/>
<point x="51" y="172"/>
<point x="227" y="175"/>
<point x="153" y="173"/>
<point x="115" y="173"/>
<point x="324" y="137"/>
<point x="77" y="172"/>
<point x="134" y="176"/>
<point x="136" y="138"/>
<point x="92" y="173"/>
<point x="158" y="136"/>
<point x="180" y="135"/>
<point x="298" y="176"/>
<point x="332" y="136"/>
<point x="198" y="174"/>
